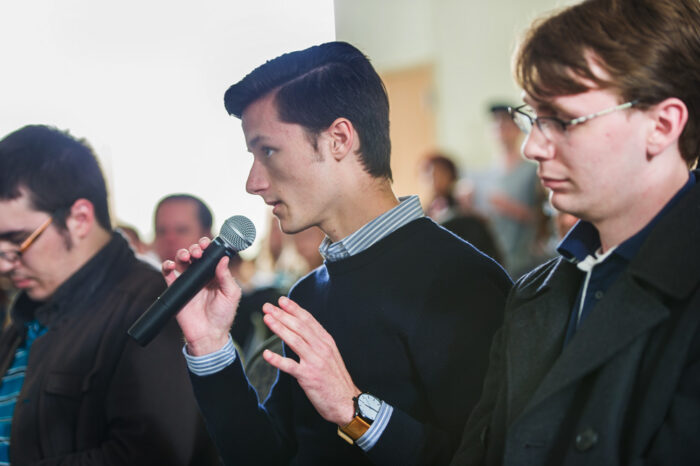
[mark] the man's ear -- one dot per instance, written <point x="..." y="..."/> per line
<point x="343" y="138"/>
<point x="668" y="121"/>
<point x="81" y="218"/>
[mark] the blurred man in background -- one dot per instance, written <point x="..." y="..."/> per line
<point x="179" y="220"/>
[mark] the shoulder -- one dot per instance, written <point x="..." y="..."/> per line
<point x="446" y="251"/>
<point x="310" y="284"/>
<point x="536" y="281"/>
<point x="142" y="278"/>
<point x="138" y="287"/>
<point x="535" y="277"/>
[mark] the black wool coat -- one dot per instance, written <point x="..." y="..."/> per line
<point x="626" y="389"/>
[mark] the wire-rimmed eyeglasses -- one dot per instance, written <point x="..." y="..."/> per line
<point x="553" y="127"/>
<point x="13" y="256"/>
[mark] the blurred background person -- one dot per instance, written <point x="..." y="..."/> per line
<point x="142" y="249"/>
<point x="512" y="198"/>
<point x="449" y="204"/>
<point x="133" y="237"/>
<point x="439" y="173"/>
<point x="179" y="221"/>
<point x="563" y="222"/>
<point x="283" y="258"/>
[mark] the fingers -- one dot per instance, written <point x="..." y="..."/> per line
<point x="300" y="331"/>
<point x="169" y="272"/>
<point x="320" y="371"/>
<point x="184" y="257"/>
<point x="287" y="365"/>
<point x="286" y="331"/>
<point x="300" y="319"/>
<point x="225" y="280"/>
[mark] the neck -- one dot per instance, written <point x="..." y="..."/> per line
<point x="369" y="200"/>
<point x="615" y="229"/>
<point x="90" y="245"/>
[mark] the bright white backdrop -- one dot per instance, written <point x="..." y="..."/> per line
<point x="143" y="82"/>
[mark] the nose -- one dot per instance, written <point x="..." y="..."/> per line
<point x="536" y="147"/>
<point x="257" y="181"/>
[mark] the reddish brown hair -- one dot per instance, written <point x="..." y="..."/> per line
<point x="649" y="48"/>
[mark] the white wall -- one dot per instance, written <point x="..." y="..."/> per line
<point x="470" y="44"/>
<point x="394" y="34"/>
<point x="143" y="81"/>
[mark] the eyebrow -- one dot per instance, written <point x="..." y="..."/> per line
<point x="14" y="236"/>
<point x="546" y="107"/>
<point x="255" y="141"/>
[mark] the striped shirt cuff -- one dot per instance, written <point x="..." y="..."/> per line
<point x="213" y="362"/>
<point x="370" y="438"/>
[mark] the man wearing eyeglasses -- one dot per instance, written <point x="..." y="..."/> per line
<point x="75" y="389"/>
<point x="598" y="360"/>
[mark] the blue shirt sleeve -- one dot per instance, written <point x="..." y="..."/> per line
<point x="371" y="437"/>
<point x="213" y="362"/>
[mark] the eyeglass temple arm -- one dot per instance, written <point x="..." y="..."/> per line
<point x="579" y="120"/>
<point x="27" y="242"/>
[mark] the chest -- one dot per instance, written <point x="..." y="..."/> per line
<point x="372" y="324"/>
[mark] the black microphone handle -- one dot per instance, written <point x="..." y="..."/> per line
<point x="182" y="290"/>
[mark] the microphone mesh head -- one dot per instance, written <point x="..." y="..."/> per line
<point x="238" y="232"/>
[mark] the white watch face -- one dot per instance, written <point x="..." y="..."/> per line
<point x="368" y="406"/>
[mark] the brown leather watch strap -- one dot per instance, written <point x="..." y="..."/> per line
<point x="353" y="430"/>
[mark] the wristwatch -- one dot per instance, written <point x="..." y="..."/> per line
<point x="366" y="410"/>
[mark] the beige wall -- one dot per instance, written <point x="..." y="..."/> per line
<point x="412" y="123"/>
<point x="468" y="43"/>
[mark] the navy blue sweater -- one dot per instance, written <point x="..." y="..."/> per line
<point x="413" y="317"/>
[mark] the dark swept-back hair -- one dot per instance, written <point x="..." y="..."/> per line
<point x="316" y="86"/>
<point x="55" y="169"/>
<point x="649" y="48"/>
<point x="204" y="216"/>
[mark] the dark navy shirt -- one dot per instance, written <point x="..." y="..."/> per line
<point x="580" y="246"/>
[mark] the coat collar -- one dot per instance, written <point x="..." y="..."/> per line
<point x="537" y="327"/>
<point x="106" y="266"/>
<point x="673" y="245"/>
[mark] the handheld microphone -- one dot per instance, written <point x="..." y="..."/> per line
<point x="237" y="233"/>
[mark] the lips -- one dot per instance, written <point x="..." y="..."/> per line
<point x="21" y="282"/>
<point x="553" y="183"/>
<point x="274" y="205"/>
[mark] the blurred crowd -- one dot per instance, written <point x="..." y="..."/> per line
<point x="502" y="210"/>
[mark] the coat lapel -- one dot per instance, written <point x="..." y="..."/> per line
<point x="537" y="328"/>
<point x="627" y="312"/>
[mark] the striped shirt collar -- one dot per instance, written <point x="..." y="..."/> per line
<point x="408" y="210"/>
